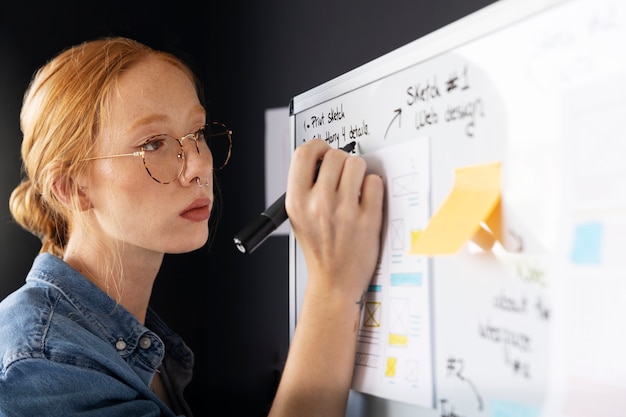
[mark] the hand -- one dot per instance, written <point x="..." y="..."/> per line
<point x="336" y="219"/>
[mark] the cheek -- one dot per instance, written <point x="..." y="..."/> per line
<point x="125" y="175"/>
<point x="128" y="195"/>
<point x="129" y="168"/>
<point x="141" y="198"/>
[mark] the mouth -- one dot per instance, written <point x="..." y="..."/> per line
<point x="198" y="211"/>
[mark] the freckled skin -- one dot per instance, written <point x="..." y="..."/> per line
<point x="128" y="203"/>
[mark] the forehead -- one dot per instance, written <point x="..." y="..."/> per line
<point x="153" y="86"/>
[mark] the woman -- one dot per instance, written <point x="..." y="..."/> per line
<point x="119" y="162"/>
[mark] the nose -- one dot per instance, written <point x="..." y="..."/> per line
<point x="198" y="163"/>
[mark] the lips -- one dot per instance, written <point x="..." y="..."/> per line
<point x="198" y="211"/>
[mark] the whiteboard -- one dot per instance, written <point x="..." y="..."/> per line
<point x="533" y="326"/>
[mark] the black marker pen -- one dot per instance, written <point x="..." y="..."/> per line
<point x="269" y="220"/>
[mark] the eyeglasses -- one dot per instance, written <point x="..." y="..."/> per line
<point x="164" y="157"/>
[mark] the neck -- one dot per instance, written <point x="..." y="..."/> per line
<point x="127" y="277"/>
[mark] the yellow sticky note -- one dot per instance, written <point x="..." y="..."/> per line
<point x="391" y="367"/>
<point x="475" y="198"/>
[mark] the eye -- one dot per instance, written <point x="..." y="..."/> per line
<point x="155" y="143"/>
<point x="201" y="134"/>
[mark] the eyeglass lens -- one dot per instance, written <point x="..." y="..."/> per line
<point x="219" y="141"/>
<point x="164" y="158"/>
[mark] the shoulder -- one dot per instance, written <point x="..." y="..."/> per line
<point x="50" y="349"/>
<point x="31" y="386"/>
<point x="37" y="321"/>
<point x="57" y="314"/>
<point x="24" y="316"/>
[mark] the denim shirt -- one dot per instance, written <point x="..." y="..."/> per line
<point x="68" y="349"/>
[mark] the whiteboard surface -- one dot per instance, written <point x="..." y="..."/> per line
<point x="533" y="327"/>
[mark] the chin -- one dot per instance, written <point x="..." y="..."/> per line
<point x="189" y="244"/>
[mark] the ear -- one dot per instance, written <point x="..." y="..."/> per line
<point x="66" y="190"/>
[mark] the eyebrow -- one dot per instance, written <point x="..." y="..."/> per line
<point x="147" y="120"/>
<point x="153" y="118"/>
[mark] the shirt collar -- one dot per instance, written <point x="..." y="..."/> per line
<point x="110" y="317"/>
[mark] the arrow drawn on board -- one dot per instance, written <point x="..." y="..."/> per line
<point x="397" y="116"/>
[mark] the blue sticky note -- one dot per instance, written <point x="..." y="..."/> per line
<point x="587" y="245"/>
<point x="509" y="409"/>
<point x="406" y="278"/>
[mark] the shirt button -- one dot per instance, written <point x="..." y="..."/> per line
<point x="120" y="345"/>
<point x="145" y="342"/>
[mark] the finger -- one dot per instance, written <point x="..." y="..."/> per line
<point x="302" y="170"/>
<point x="372" y="194"/>
<point x="351" y="182"/>
<point x="331" y="169"/>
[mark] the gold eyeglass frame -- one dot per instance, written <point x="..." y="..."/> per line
<point x="193" y="136"/>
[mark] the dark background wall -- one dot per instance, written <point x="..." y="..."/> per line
<point x="232" y="309"/>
